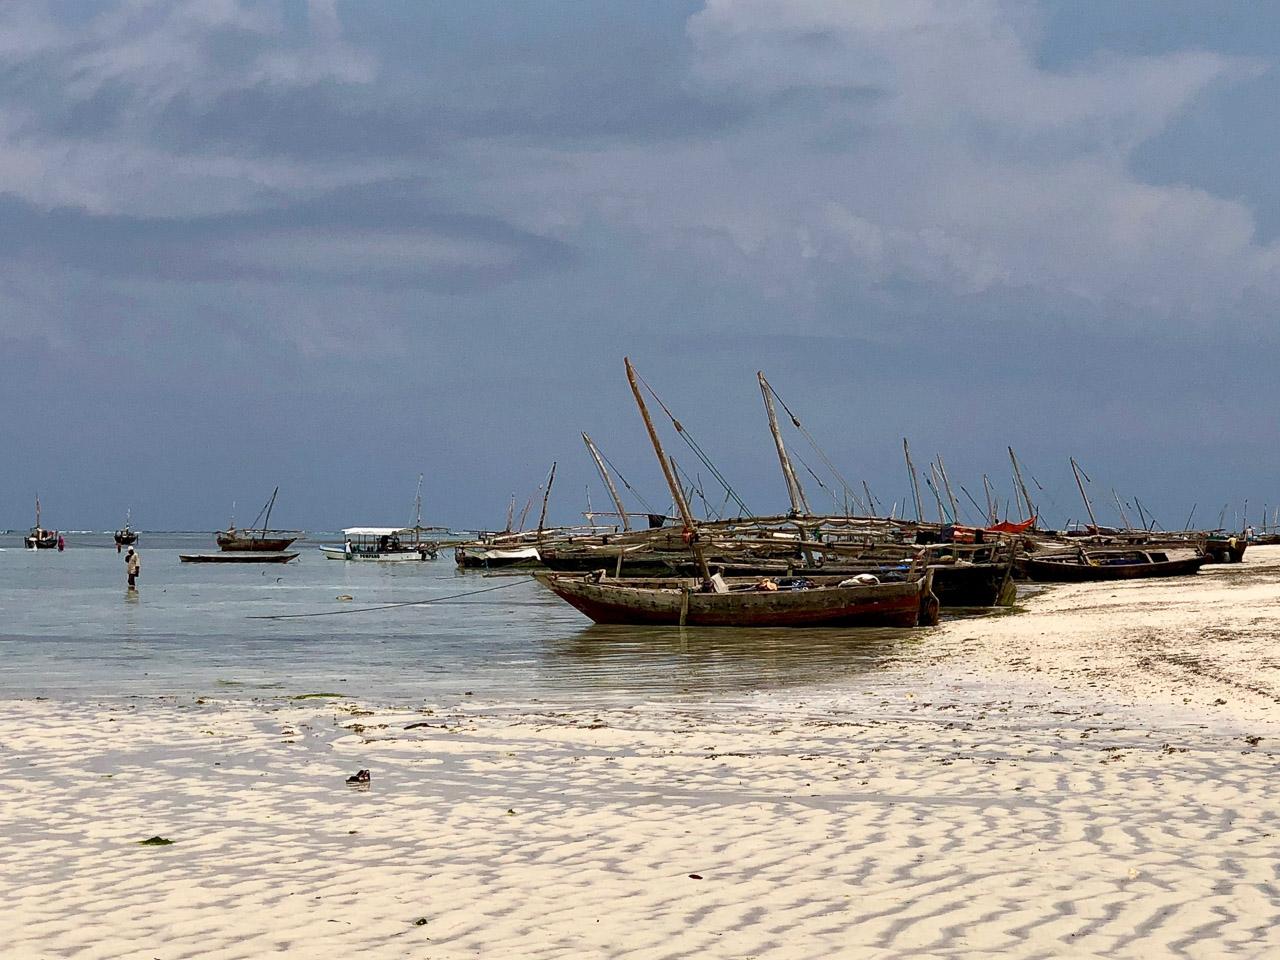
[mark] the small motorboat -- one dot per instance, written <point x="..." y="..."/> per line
<point x="238" y="556"/>
<point x="38" y="538"/>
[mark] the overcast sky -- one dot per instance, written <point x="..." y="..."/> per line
<point x="331" y="245"/>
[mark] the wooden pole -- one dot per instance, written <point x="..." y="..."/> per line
<point x="608" y="481"/>
<point x="915" y="481"/>
<point x="677" y="494"/>
<point x="1017" y="475"/>
<point x="799" y="505"/>
<point x="1120" y="507"/>
<point x="993" y="506"/>
<point x="955" y="507"/>
<point x="1075" y="468"/>
<point x="266" y="524"/>
<point x="545" y="497"/>
<point x="937" y="495"/>
<point x="511" y="513"/>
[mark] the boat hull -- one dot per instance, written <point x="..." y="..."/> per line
<point x="496" y="558"/>
<point x="249" y="556"/>
<point x="1056" y="571"/>
<point x="40" y="543"/>
<point x="426" y="554"/>
<point x="126" y="537"/>
<point x="242" y="544"/>
<point x="673" y="603"/>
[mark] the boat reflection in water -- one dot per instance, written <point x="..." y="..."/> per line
<point x="696" y="662"/>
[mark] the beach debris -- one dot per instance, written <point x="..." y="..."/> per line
<point x="156" y="841"/>
<point x="344" y="596"/>
<point x="420" y="922"/>
<point x="1253" y="741"/>
<point x="695" y="876"/>
<point x="360" y="776"/>
<point x="416" y="725"/>
<point x="510" y="812"/>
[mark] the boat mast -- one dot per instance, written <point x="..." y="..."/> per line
<point x="511" y="512"/>
<point x="417" y="514"/>
<point x="1017" y="475"/>
<point x="1075" y="468"/>
<point x="266" y="523"/>
<point x="608" y="481"/>
<point x="991" y="507"/>
<point x="681" y="504"/>
<point x="799" y="505"/>
<point x="955" y="507"/>
<point x="545" y="497"/>
<point x="915" y="480"/>
<point x="37" y="512"/>
<point x="1120" y="507"/>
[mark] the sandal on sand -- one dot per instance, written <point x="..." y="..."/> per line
<point x="361" y="776"/>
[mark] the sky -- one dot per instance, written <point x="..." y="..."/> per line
<point x="332" y="245"/>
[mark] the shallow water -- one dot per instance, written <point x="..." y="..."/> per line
<point x="69" y="630"/>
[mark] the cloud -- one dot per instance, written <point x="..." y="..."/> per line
<point x="921" y="143"/>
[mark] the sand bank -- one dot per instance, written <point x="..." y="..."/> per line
<point x="1094" y="776"/>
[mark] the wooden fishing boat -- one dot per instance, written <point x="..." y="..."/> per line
<point x="1094" y="565"/>
<point x="1221" y="548"/>
<point x="742" y="602"/>
<point x="261" y="538"/>
<point x="126" y="536"/>
<point x="244" y="556"/>
<point x="489" y="557"/>
<point x="38" y="538"/>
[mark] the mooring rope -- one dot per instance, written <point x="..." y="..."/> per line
<point x="386" y="606"/>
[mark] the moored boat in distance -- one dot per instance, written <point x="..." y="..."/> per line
<point x="126" y="536"/>
<point x="257" y="538"/>
<point x="38" y="538"/>
<point x="389" y="544"/>
<point x="239" y="556"/>
<point x="383" y="545"/>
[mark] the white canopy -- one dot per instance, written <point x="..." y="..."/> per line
<point x="376" y="531"/>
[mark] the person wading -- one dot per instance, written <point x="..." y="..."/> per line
<point x="133" y="567"/>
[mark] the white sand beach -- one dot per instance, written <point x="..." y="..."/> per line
<point x="1091" y="776"/>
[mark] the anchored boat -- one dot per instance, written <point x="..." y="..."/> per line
<point x="257" y="538"/>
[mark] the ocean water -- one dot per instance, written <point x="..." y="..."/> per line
<point x="68" y="629"/>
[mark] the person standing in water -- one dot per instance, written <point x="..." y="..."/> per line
<point x="132" y="567"/>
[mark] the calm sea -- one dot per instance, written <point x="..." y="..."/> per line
<point x="69" y="630"/>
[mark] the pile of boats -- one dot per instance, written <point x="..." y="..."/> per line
<point x="806" y="569"/>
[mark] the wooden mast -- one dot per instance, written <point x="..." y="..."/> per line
<point x="955" y="507"/>
<point x="511" y="512"/>
<point x="992" y="506"/>
<point x="1075" y="468"/>
<point x="915" y="481"/>
<point x="545" y="497"/>
<point x="799" y="505"/>
<point x="1120" y="507"/>
<point x="1017" y="475"/>
<point x="266" y="523"/>
<point x="608" y="481"/>
<point x="677" y="494"/>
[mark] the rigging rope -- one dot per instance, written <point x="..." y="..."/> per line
<point x="818" y="450"/>
<point x="693" y="445"/>
<point x="387" y="606"/>
<point x="643" y="502"/>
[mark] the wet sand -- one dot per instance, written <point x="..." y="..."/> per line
<point x="1092" y="776"/>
